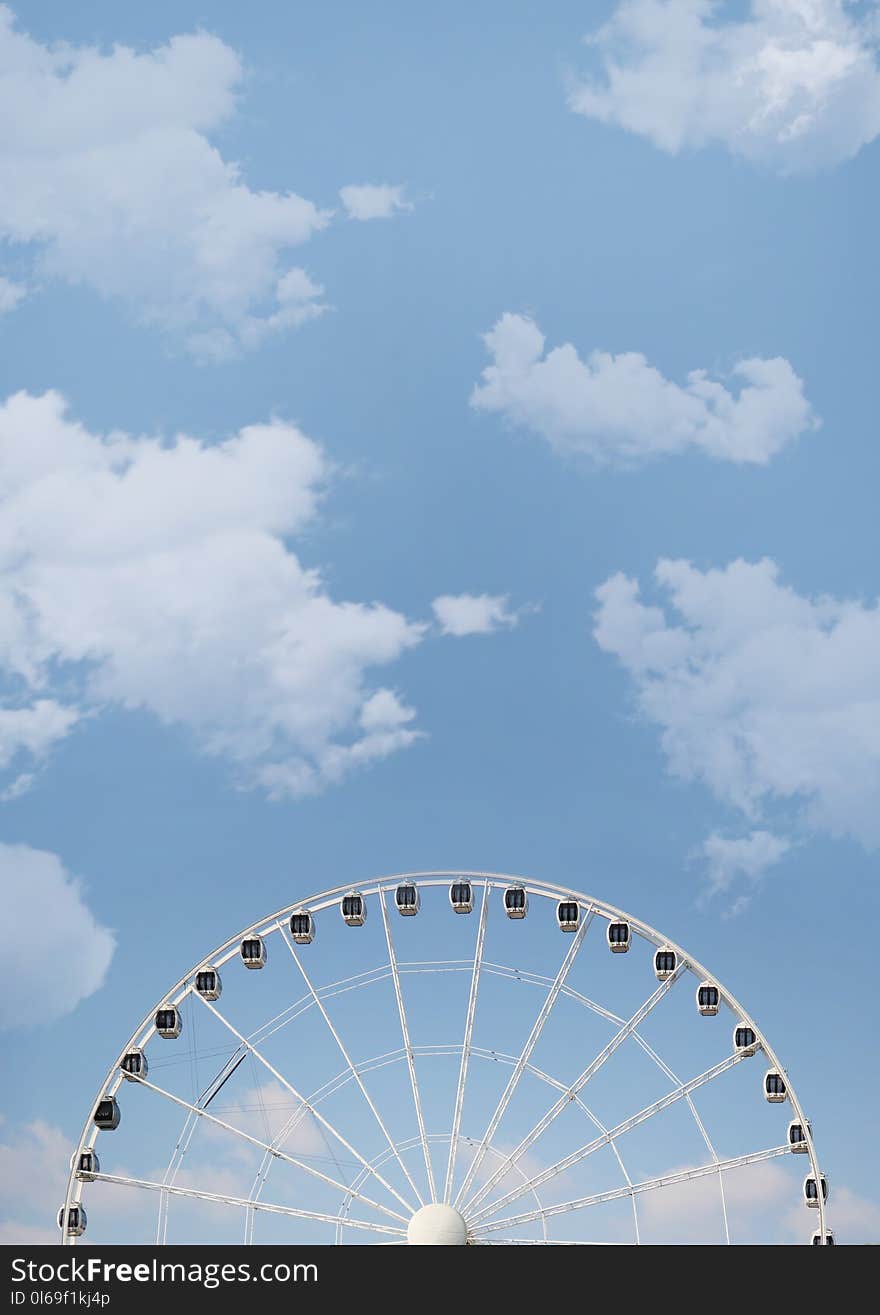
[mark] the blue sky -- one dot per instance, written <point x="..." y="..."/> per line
<point x="167" y="776"/>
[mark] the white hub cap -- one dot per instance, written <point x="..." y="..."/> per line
<point x="437" y="1226"/>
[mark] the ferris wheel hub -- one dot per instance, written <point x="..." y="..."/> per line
<point x="437" y="1226"/>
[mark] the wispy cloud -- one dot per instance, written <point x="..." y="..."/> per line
<point x="730" y="860"/>
<point x="373" y="200"/>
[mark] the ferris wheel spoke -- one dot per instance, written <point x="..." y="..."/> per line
<point x="576" y="1087"/>
<point x="466" y="1047"/>
<point x="701" y="1127"/>
<point x="304" y="1102"/>
<point x="617" y="1193"/>
<point x="583" y="1152"/>
<point x="264" y="1146"/>
<point x="220" y="1198"/>
<point x="522" y="1062"/>
<point x="407" y="1045"/>
<point x="596" y="1122"/>
<point x="355" y="1074"/>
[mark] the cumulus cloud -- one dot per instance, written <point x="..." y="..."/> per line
<point x="728" y="858"/>
<point x="33" y="1179"/>
<point x="157" y="575"/>
<point x="853" y="1218"/>
<point x="108" y="172"/>
<point x="11" y="294"/>
<point x="34" y="1159"/>
<point x="755" y="1195"/>
<point x="764" y="695"/>
<point x="65" y="954"/>
<point x="373" y="200"/>
<point x="264" y="1111"/>
<point x="473" y="614"/>
<point x="621" y="409"/>
<point x="793" y="84"/>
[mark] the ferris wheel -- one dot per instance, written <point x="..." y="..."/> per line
<point x="437" y="1067"/>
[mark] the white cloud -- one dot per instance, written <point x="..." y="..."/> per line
<point x="34" y="1160"/>
<point x="11" y="294"/>
<point x="794" y="84"/>
<point x="33" y="730"/>
<point x="263" y="1112"/>
<point x="852" y="1218"/>
<point x="621" y="409"/>
<point x="690" y="1211"/>
<point x="759" y="692"/>
<point x="107" y="168"/>
<point x="34" y="1166"/>
<point x="18" y="787"/>
<point x="730" y="857"/>
<point x="373" y="200"/>
<point x="55" y="953"/>
<point x="157" y="575"/>
<point x="473" y="614"/>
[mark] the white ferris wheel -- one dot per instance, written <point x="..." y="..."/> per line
<point x="362" y="1086"/>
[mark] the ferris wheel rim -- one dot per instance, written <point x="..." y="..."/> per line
<point x="380" y="886"/>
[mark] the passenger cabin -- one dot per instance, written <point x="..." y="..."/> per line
<point x="568" y="915"/>
<point x="797" y="1137"/>
<point x="169" y="1022"/>
<point x="87" y="1165"/>
<point x="774" y="1086"/>
<point x="406" y="900"/>
<point x="618" y="937"/>
<point x="665" y="963"/>
<point x="461" y="896"/>
<point x="745" y="1039"/>
<point x="302" y="928"/>
<point x="76" y="1220"/>
<point x="516" y="902"/>
<point x="106" y="1115"/>
<point x="208" y="984"/>
<point x="134" y="1064"/>
<point x="354" y="909"/>
<point x="253" y="952"/>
